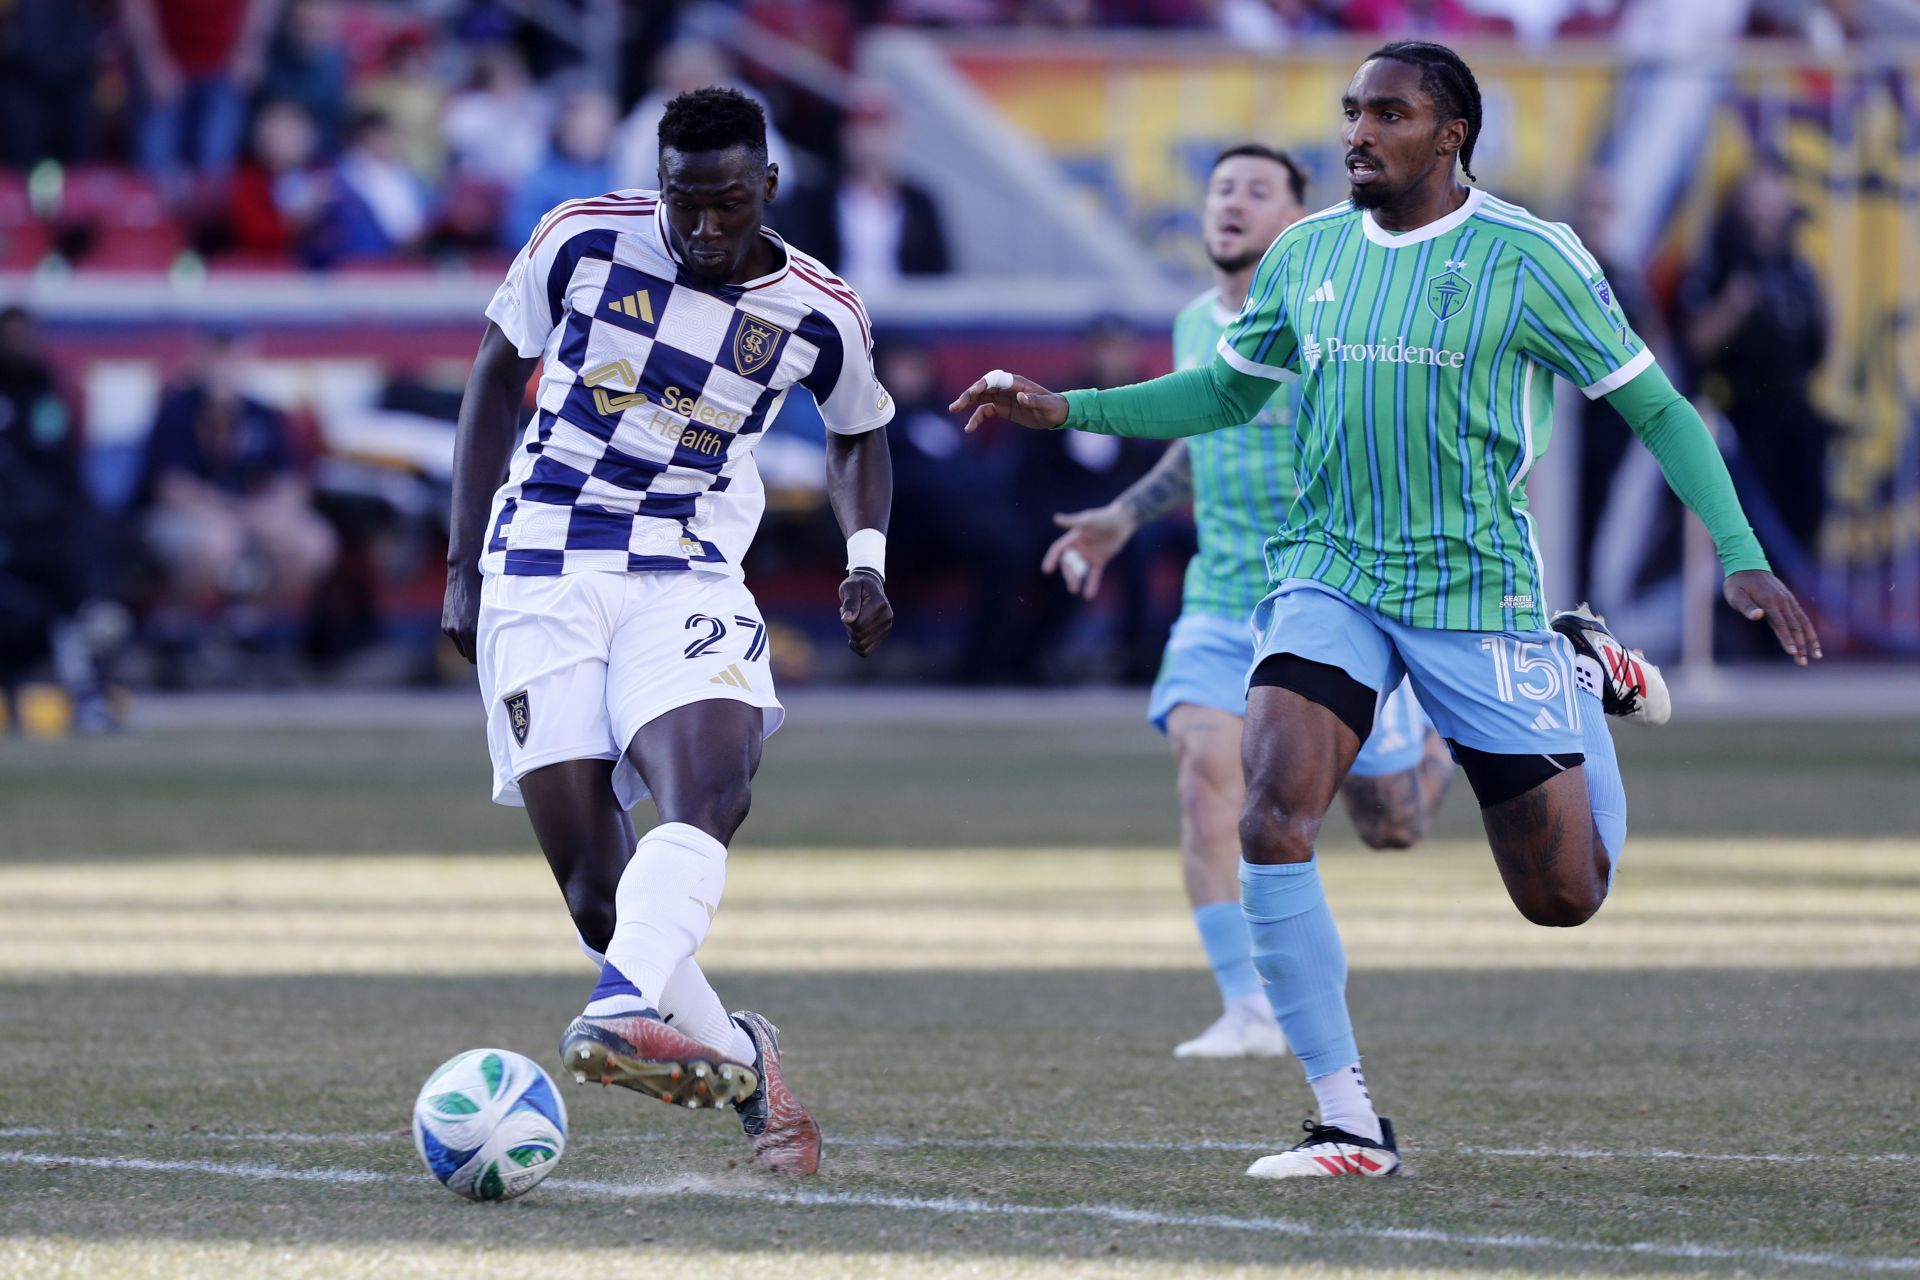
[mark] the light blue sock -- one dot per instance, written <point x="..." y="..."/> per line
<point x="1229" y="947"/>
<point x="1297" y="951"/>
<point x="1605" y="791"/>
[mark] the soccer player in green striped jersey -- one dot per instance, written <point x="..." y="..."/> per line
<point x="1425" y="320"/>
<point x="1240" y="482"/>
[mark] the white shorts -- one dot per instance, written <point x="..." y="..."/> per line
<point x="572" y="666"/>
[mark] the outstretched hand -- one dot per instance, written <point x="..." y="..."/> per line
<point x="864" y="610"/>
<point x="1759" y="595"/>
<point x="1021" y="401"/>
<point x="1092" y="539"/>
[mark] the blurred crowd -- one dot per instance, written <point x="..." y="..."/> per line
<point x="240" y="546"/>
<point x="1271" y="24"/>
<point x="330" y="132"/>
<point x="327" y="133"/>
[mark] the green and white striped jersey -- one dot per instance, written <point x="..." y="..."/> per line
<point x="1425" y="362"/>
<point x="1242" y="480"/>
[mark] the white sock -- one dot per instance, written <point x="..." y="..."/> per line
<point x="1345" y="1102"/>
<point x="1588" y="675"/>
<point x="689" y="1002"/>
<point x="662" y="910"/>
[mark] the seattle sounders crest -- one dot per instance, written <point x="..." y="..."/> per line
<point x="1447" y="292"/>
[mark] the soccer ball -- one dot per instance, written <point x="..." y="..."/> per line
<point x="489" y="1124"/>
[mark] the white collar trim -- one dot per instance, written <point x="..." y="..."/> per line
<point x="1438" y="227"/>
<point x="1221" y="315"/>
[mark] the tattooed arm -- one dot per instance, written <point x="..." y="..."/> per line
<point x="1093" y="538"/>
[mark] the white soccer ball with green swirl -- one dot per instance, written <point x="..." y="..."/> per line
<point x="489" y="1124"/>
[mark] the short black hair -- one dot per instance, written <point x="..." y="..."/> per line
<point x="714" y="119"/>
<point x="1447" y="80"/>
<point x="1296" y="176"/>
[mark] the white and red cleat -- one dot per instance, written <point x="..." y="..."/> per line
<point x="1629" y="686"/>
<point x="1332" y="1153"/>
<point x="641" y="1052"/>
<point x="785" y="1138"/>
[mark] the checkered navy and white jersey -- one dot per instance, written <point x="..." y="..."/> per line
<point x="655" y="390"/>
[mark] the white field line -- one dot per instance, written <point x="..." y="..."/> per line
<point x="900" y="1142"/>
<point x="952" y="1206"/>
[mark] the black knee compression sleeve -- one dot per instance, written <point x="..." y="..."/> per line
<point x="1318" y="682"/>
<point x="1497" y="777"/>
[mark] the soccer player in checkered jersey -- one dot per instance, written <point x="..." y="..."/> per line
<point x="1425" y="320"/>
<point x="599" y="588"/>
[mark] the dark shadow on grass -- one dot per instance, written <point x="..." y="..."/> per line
<point x="1700" y="1060"/>
<point x="341" y="790"/>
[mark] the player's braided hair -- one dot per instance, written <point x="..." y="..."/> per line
<point x="1447" y="80"/>
<point x="714" y="119"/>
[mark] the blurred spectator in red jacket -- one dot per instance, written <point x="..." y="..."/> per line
<point x="198" y="61"/>
<point x="282" y="190"/>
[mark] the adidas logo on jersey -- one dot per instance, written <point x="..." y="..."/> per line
<point x="1545" y="721"/>
<point x="731" y="676"/>
<point x="637" y="304"/>
<point x="1323" y="294"/>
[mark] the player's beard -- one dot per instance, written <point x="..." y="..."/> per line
<point x="1374" y="195"/>
<point x="1237" y="263"/>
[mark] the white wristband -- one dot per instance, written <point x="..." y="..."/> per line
<point x="867" y="549"/>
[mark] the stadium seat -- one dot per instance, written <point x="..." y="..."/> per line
<point x="123" y="217"/>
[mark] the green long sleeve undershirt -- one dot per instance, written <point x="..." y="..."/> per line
<point x="1195" y="401"/>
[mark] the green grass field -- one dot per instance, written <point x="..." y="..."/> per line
<point x="227" y="959"/>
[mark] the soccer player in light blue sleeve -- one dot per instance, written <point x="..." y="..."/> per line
<point x="1240" y="482"/>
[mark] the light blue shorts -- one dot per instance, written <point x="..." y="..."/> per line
<point x="1509" y="692"/>
<point x="1207" y="663"/>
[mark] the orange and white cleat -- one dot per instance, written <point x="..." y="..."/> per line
<point x="1332" y="1153"/>
<point x="785" y="1138"/>
<point x="641" y="1052"/>
<point x="1627" y="684"/>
